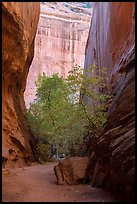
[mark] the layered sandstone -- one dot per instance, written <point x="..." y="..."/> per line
<point x="111" y="43"/>
<point x="19" y="24"/>
<point x="60" y="42"/>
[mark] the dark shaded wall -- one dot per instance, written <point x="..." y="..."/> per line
<point x="111" y="43"/>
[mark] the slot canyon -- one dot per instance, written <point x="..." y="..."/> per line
<point x="53" y="37"/>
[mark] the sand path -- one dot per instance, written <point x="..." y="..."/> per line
<point x="37" y="183"/>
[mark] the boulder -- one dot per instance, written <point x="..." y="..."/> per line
<point x="71" y="171"/>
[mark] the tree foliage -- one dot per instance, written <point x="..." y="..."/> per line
<point x="67" y="108"/>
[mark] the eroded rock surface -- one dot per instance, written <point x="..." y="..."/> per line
<point x="71" y="171"/>
<point x="19" y="24"/>
<point x="111" y="43"/>
<point x="60" y="42"/>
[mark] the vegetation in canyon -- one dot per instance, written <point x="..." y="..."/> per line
<point x="68" y="112"/>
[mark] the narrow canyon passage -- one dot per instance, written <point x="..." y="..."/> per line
<point x="37" y="183"/>
<point x="50" y="38"/>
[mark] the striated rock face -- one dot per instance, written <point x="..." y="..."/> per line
<point x="111" y="43"/>
<point x="71" y="171"/>
<point x="19" y="24"/>
<point x="60" y="42"/>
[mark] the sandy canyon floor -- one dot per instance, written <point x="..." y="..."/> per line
<point x="37" y="183"/>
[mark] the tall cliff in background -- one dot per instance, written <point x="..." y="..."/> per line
<point x="60" y="41"/>
<point x="19" y="24"/>
<point x="111" y="43"/>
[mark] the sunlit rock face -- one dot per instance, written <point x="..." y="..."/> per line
<point x="111" y="43"/>
<point x="60" y="41"/>
<point x="19" y="25"/>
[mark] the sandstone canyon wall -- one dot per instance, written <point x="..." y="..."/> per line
<point x="19" y="25"/>
<point x="60" y="42"/>
<point x="111" y="43"/>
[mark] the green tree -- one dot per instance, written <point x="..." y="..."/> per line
<point x="92" y="87"/>
<point x="66" y="109"/>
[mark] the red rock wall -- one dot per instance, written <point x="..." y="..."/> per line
<point x="111" y="43"/>
<point x="59" y="45"/>
<point x="19" y="24"/>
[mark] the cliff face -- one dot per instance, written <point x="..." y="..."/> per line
<point x="111" y="43"/>
<point x="19" y="24"/>
<point x="60" y="43"/>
